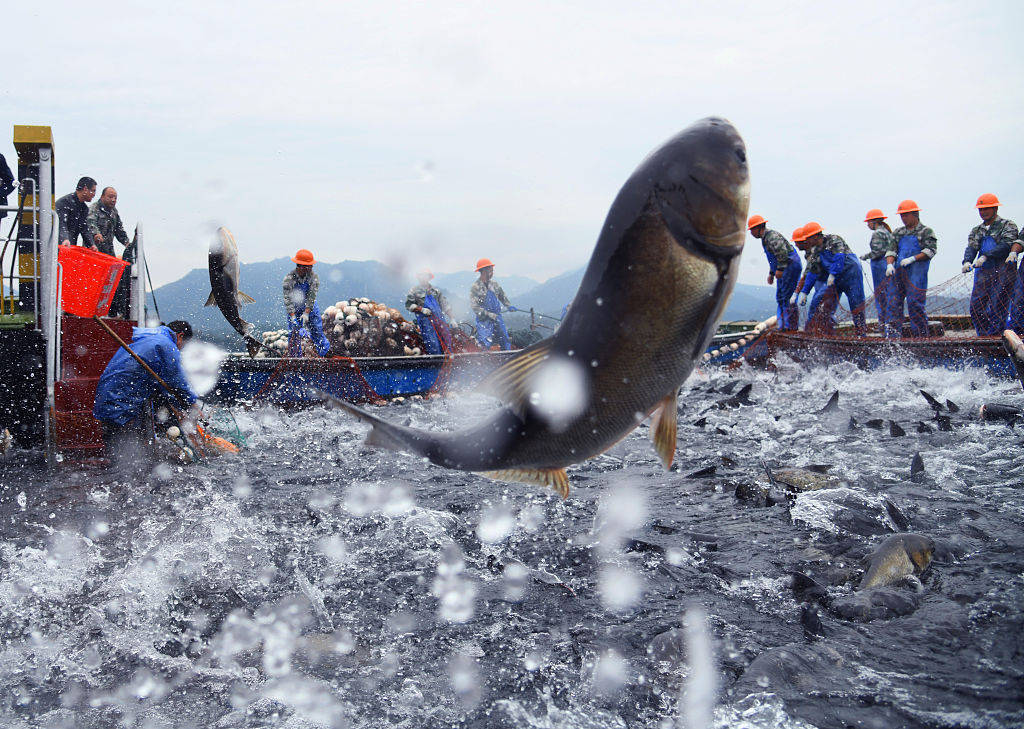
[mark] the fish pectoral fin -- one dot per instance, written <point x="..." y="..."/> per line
<point x="554" y="478"/>
<point x="210" y="301"/>
<point x="243" y="298"/>
<point x="510" y="382"/>
<point x="663" y="428"/>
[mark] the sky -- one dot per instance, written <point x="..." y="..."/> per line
<point x="437" y="133"/>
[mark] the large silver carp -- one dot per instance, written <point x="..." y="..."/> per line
<point x="657" y="282"/>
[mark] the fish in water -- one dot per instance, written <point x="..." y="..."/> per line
<point x="932" y="401"/>
<point x="917" y="472"/>
<point x="657" y="282"/>
<point x="832" y="404"/>
<point x="6" y="442"/>
<point x="895" y="430"/>
<point x="897" y="558"/>
<point x="998" y="411"/>
<point x="740" y="398"/>
<point x="224" y="272"/>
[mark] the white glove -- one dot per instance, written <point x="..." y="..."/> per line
<point x="967" y="267"/>
<point x="907" y="261"/>
<point x="890" y="270"/>
<point x="1012" y="258"/>
<point x="802" y="299"/>
<point x="979" y="261"/>
<point x="305" y="319"/>
<point x="831" y="280"/>
<point x="425" y="311"/>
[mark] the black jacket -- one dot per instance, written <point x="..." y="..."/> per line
<point x="72" y="213"/>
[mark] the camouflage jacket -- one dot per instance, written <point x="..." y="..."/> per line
<point x="1002" y="230"/>
<point x="775" y="243"/>
<point x="419" y="293"/>
<point x="882" y="244"/>
<point x="107" y="222"/>
<point x="293" y="297"/>
<point x="925" y="237"/>
<point x="813" y="258"/>
<point x="832" y="254"/>
<point x="478" y="296"/>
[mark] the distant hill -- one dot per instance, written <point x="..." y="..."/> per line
<point x="184" y="298"/>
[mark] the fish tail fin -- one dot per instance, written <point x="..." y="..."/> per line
<point x="382" y="434"/>
<point x="243" y="298"/>
<point x="252" y="345"/>
<point x="210" y="301"/>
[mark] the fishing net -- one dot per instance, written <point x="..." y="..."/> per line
<point x="976" y="305"/>
<point x="222" y="424"/>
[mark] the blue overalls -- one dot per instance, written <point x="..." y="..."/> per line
<point x="315" y="330"/>
<point x="992" y="283"/>
<point x="1015" y="321"/>
<point x="487" y="330"/>
<point x="911" y="283"/>
<point x="819" y="285"/>
<point x="786" y="312"/>
<point x="437" y="339"/>
<point x="882" y="285"/>
<point x="849" y="280"/>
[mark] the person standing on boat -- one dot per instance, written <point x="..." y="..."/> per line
<point x="987" y="253"/>
<point x="432" y="314"/>
<point x="486" y="298"/>
<point x="73" y="214"/>
<point x="816" y="279"/>
<point x="915" y="247"/>
<point x="104" y="223"/>
<point x="844" y="276"/>
<point x="881" y="244"/>
<point x="300" y="289"/>
<point x="783" y="270"/>
<point x="125" y="387"/>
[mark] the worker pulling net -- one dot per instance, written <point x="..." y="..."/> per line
<point x="970" y="305"/>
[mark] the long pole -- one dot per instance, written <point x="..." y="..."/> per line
<point x="177" y="413"/>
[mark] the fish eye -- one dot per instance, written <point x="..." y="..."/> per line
<point x="741" y="154"/>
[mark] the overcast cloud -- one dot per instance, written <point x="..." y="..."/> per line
<point x="436" y="133"/>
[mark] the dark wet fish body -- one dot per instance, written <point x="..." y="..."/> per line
<point x="224" y="268"/>
<point x="668" y="257"/>
<point x="896" y="558"/>
<point x="998" y="411"/>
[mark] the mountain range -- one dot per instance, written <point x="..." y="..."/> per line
<point x="185" y="298"/>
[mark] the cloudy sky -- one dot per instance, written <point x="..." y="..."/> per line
<point x="436" y="133"/>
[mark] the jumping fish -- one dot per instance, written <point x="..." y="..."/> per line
<point x="898" y="557"/>
<point x="657" y="282"/>
<point x="224" y="272"/>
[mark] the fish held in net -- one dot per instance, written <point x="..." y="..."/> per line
<point x="224" y="267"/>
<point x="657" y="282"/>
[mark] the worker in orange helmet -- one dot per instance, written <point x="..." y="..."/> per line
<point x="915" y="246"/>
<point x="881" y="243"/>
<point x="783" y="270"/>
<point x="816" y="278"/>
<point x="300" y="289"/>
<point x="486" y="298"/>
<point x="990" y="247"/>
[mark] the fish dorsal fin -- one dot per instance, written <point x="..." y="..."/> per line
<point x="509" y="383"/>
<point x="210" y="301"/>
<point x="553" y="478"/>
<point x="245" y="298"/>
<point x="663" y="428"/>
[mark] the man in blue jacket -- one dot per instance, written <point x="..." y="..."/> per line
<point x="125" y="388"/>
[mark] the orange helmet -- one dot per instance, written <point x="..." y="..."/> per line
<point x="304" y="257"/>
<point x="988" y="200"/>
<point x="908" y="206"/>
<point x="798" y="235"/>
<point x="755" y="220"/>
<point x="874" y="214"/>
<point x="811" y="228"/>
<point x="483" y="263"/>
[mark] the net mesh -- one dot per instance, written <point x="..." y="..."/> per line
<point x="979" y="304"/>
